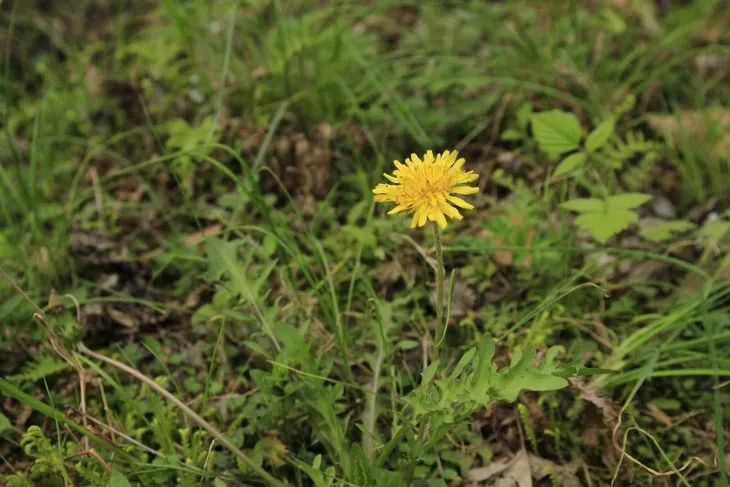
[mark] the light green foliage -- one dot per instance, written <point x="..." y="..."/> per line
<point x="5" y="423"/>
<point x="527" y="426"/>
<point x="605" y="218"/>
<point x="47" y="460"/>
<point x="664" y="230"/>
<point x="600" y="135"/>
<point x="194" y="144"/>
<point x="476" y="381"/>
<point x="557" y="132"/>
<point x="44" y="366"/>
<point x="117" y="479"/>
<point x="570" y="163"/>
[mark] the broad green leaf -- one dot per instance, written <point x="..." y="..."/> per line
<point x="557" y="132"/>
<point x="627" y="201"/>
<point x="117" y="479"/>
<point x="604" y="225"/>
<point x="600" y="135"/>
<point x="664" y="230"/>
<point x="571" y="162"/>
<point x="582" y="205"/>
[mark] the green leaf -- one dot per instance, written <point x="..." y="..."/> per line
<point x="664" y="230"/>
<point x="604" y="219"/>
<point x="222" y="258"/>
<point x="117" y="479"/>
<point x="600" y="135"/>
<point x="485" y="352"/>
<point x="582" y="205"/>
<point x="428" y="374"/>
<point x="557" y="132"/>
<point x="603" y="226"/>
<point x="571" y="162"/>
<point x="627" y="201"/>
<point x="715" y="230"/>
<point x="523" y="375"/>
<point x="510" y="135"/>
<point x="524" y="112"/>
<point x="43" y="366"/>
<point x="5" y="423"/>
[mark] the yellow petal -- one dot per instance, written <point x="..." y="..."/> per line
<point x="450" y="211"/>
<point x="464" y="190"/>
<point x="466" y="177"/>
<point x="398" y="209"/>
<point x="422" y="216"/>
<point x="441" y="220"/>
<point x="390" y="178"/>
<point x="459" y="202"/>
<point x="414" y="220"/>
<point x="456" y="168"/>
<point x="435" y="215"/>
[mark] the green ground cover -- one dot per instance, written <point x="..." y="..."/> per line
<point x="197" y="288"/>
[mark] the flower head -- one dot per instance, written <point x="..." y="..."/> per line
<point x="427" y="188"/>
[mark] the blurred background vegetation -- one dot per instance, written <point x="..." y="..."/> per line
<point x="186" y="186"/>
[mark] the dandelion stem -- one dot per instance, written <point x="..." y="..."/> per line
<point x="440" y="272"/>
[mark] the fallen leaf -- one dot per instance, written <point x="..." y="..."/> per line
<point x="480" y="474"/>
<point x="517" y="474"/>
<point x="589" y="393"/>
<point x="542" y="468"/>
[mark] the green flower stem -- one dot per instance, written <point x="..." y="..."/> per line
<point x="440" y="272"/>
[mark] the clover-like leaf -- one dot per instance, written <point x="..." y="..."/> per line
<point x="605" y="218"/>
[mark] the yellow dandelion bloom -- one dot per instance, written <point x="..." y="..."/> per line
<point x="427" y="188"/>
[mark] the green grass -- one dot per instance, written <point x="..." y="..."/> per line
<point x="198" y="289"/>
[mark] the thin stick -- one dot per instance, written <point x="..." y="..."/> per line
<point x="222" y="439"/>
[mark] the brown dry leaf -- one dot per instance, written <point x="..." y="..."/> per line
<point x="481" y="474"/>
<point x="514" y="472"/>
<point x="589" y="393"/>
<point x="518" y="474"/>
<point x="125" y="319"/>
<point x="542" y="468"/>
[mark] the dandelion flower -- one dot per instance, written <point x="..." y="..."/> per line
<point x="427" y="188"/>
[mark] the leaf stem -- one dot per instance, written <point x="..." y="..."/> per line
<point x="440" y="272"/>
